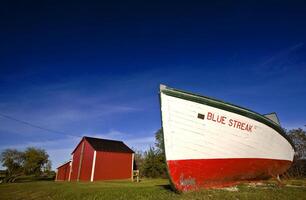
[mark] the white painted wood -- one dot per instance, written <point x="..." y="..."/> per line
<point x="188" y="137"/>
<point x="81" y="160"/>
<point x="70" y="171"/>
<point x="56" y="174"/>
<point x="132" y="173"/>
<point x="93" y="166"/>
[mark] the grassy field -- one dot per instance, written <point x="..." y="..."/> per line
<point x="146" y="189"/>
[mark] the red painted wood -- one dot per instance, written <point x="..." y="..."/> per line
<point x="67" y="172"/>
<point x="63" y="172"/>
<point x="76" y="162"/>
<point x="86" y="167"/>
<point x="111" y="165"/>
<point x="208" y="173"/>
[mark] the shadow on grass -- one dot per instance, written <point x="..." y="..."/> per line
<point x="166" y="187"/>
<point x="29" y="179"/>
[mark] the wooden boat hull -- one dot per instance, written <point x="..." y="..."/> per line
<point x="209" y="143"/>
<point x="211" y="173"/>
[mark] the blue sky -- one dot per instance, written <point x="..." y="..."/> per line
<point x="94" y="68"/>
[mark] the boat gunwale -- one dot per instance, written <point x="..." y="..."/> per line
<point x="227" y="107"/>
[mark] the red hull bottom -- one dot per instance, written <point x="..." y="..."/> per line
<point x="209" y="173"/>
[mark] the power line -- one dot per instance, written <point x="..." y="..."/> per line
<point x="37" y="126"/>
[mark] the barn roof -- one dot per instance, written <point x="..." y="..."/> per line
<point x="108" y="145"/>
<point x="64" y="164"/>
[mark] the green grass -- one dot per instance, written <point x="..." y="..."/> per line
<point x="146" y="189"/>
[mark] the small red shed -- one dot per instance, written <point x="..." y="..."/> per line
<point x="100" y="159"/>
<point x="63" y="172"/>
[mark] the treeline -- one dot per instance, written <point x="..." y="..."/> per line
<point x="32" y="161"/>
<point x="298" y="167"/>
<point x="151" y="163"/>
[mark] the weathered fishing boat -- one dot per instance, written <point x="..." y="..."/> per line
<point x="210" y="143"/>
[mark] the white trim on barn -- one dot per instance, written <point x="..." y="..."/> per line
<point x="70" y="171"/>
<point x="93" y="166"/>
<point x="132" y="177"/>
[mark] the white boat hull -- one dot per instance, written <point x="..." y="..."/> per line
<point x="208" y="146"/>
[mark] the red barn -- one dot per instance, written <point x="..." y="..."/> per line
<point x="63" y="172"/>
<point x="99" y="159"/>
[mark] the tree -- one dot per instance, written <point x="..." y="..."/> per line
<point x="154" y="164"/>
<point x="298" y="137"/>
<point x="298" y="168"/>
<point x="34" y="160"/>
<point x="47" y="168"/>
<point x="13" y="160"/>
<point x="138" y="161"/>
<point x="159" y="141"/>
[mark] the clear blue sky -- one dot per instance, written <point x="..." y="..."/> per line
<point x="94" y="68"/>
